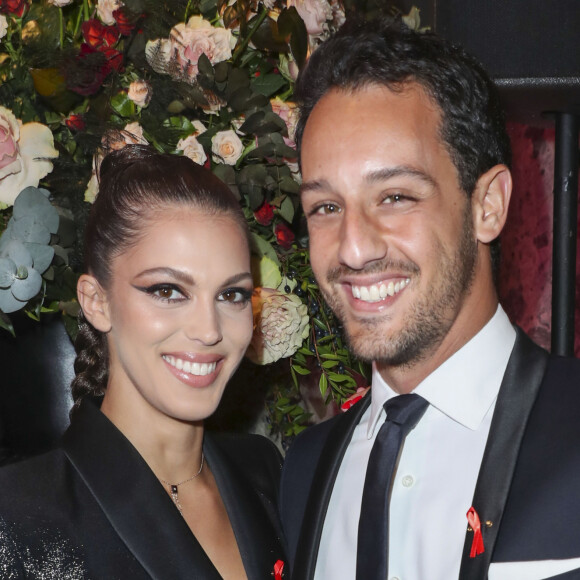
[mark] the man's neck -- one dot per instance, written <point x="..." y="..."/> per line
<point x="404" y="378"/>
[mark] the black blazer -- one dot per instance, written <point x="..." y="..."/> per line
<point x="529" y="480"/>
<point x="94" y="509"/>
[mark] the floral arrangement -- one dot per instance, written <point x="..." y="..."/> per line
<point x="209" y="79"/>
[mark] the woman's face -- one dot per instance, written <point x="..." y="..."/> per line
<point x="180" y="315"/>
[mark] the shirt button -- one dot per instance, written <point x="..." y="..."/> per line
<point x="408" y="481"/>
<point x="394" y="578"/>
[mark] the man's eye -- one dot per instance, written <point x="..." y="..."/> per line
<point x="394" y="198"/>
<point x="326" y="209"/>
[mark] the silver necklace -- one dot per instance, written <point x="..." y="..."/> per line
<point x="173" y="487"/>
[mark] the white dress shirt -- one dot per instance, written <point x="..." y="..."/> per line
<point x="438" y="466"/>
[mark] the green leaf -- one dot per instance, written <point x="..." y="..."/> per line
<point x="290" y="24"/>
<point x="329" y="364"/>
<point x="289" y="185"/>
<point x="263" y="248"/>
<point x="301" y="370"/>
<point x="268" y="84"/>
<point x="323" y="384"/>
<point x="266" y="273"/>
<point x="287" y="210"/>
<point x="205" y="67"/>
<point x="123" y="105"/>
<point x="268" y="37"/>
<point x="340" y="378"/>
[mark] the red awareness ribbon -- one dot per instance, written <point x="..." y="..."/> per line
<point x="477" y="544"/>
<point x="278" y="570"/>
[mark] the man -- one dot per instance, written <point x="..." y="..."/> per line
<point x="406" y="187"/>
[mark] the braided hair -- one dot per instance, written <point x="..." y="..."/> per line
<point x="135" y="184"/>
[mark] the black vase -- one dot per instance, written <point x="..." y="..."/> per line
<point x="36" y="369"/>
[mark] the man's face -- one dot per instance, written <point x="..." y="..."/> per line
<point x="391" y="232"/>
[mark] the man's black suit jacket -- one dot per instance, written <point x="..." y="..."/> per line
<point x="94" y="510"/>
<point x="528" y="484"/>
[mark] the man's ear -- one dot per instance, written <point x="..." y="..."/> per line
<point x="490" y="202"/>
<point x="93" y="301"/>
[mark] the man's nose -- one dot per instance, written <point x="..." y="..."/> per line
<point x="362" y="240"/>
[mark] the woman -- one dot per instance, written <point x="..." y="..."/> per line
<point x="138" y="489"/>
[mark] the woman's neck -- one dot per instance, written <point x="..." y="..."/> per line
<point x="172" y="448"/>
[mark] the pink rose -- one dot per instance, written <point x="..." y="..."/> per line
<point x="289" y="114"/>
<point x="180" y="54"/>
<point x="9" y="135"/>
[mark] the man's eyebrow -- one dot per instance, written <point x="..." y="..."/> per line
<point x="314" y="185"/>
<point x="375" y="176"/>
<point x="386" y="173"/>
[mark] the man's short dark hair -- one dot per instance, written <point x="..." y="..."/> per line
<point x="390" y="54"/>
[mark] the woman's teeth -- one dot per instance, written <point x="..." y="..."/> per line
<point x="378" y="292"/>
<point x="193" y="368"/>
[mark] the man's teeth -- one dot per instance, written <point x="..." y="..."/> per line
<point x="200" y="369"/>
<point x="378" y="292"/>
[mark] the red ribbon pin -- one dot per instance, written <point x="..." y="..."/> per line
<point x="477" y="543"/>
<point x="278" y="570"/>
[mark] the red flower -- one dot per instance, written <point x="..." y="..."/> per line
<point x="16" y="7"/>
<point x="85" y="74"/>
<point x="114" y="58"/>
<point x="126" y="21"/>
<point x="75" y="122"/>
<point x="264" y="214"/>
<point x="99" y="36"/>
<point x="284" y="236"/>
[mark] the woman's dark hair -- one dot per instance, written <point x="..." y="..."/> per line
<point x="135" y="183"/>
<point x="388" y="53"/>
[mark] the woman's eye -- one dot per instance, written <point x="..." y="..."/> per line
<point x="165" y="292"/>
<point x="235" y="296"/>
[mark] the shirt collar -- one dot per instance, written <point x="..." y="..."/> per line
<point x="465" y="386"/>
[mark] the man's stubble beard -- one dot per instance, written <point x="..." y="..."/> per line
<point x="430" y="317"/>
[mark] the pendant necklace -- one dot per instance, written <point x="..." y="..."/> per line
<point x="173" y="487"/>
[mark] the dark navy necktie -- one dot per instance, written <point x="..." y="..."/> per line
<point x="403" y="413"/>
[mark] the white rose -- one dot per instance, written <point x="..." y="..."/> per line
<point x="3" y="26"/>
<point x="179" y="54"/>
<point x="60" y="3"/>
<point x="105" y="9"/>
<point x="280" y="325"/>
<point x="314" y="13"/>
<point x="140" y="92"/>
<point x="25" y="153"/>
<point x="199" y="127"/>
<point x="192" y="148"/>
<point x="226" y="147"/>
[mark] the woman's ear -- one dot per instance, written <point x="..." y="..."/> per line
<point x="490" y="202"/>
<point x="93" y="301"/>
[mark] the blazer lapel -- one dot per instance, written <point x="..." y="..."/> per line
<point x="133" y="500"/>
<point x="323" y="482"/>
<point x="259" y="545"/>
<point x="517" y="394"/>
